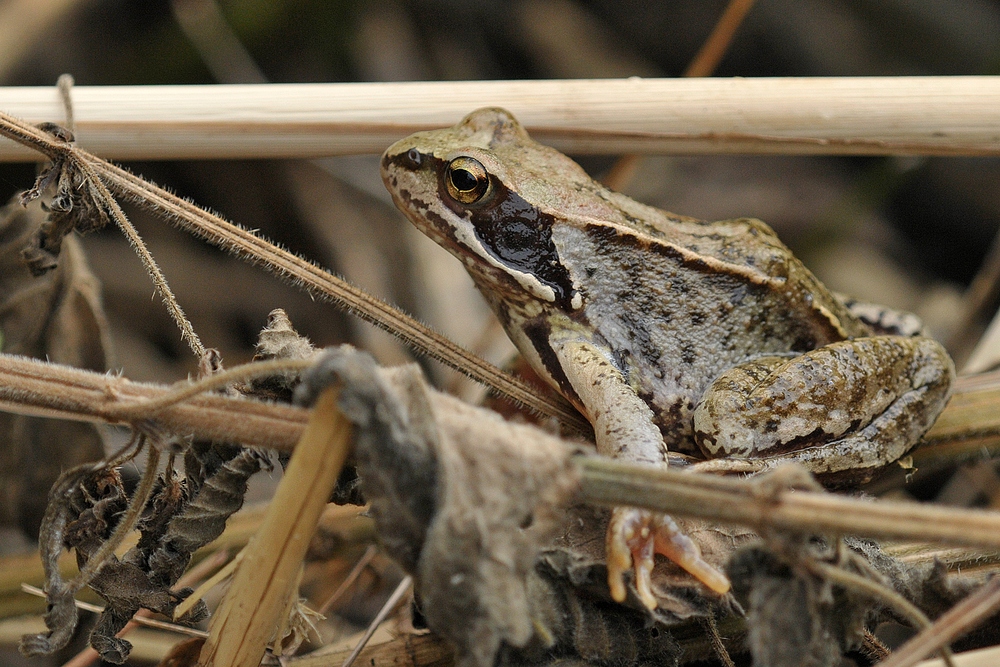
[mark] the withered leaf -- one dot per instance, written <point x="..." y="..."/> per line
<point x="66" y="196"/>
<point x="511" y="571"/>
<point x="58" y="317"/>
<point x="466" y="502"/>
<point x="180" y="516"/>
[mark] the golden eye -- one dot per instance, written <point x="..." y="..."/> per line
<point x="467" y="180"/>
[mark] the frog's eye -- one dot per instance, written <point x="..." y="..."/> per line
<point x="467" y="180"/>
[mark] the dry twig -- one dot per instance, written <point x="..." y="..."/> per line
<point x="349" y="580"/>
<point x="957" y="621"/>
<point x="402" y="589"/>
<point x="140" y="620"/>
<point x="715" y="47"/>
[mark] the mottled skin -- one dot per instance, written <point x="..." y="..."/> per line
<point x="667" y="332"/>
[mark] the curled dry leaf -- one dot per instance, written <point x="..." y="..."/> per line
<point x="66" y="196"/>
<point x="56" y="316"/>
<point x="180" y="516"/>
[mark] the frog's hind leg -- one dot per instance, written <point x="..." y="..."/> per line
<point x="848" y="407"/>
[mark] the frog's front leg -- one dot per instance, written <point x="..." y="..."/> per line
<point x="850" y="407"/>
<point x="624" y="429"/>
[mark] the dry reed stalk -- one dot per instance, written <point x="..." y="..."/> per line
<point x="865" y="115"/>
<point x="954" y="623"/>
<point x="266" y="578"/>
<point x="970" y="425"/>
<point x="985" y="657"/>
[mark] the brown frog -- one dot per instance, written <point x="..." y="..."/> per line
<point x="667" y="332"/>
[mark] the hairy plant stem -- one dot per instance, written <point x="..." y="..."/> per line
<point x="740" y="502"/>
<point x="286" y="265"/>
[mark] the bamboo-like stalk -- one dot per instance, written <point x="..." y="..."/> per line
<point x="865" y="115"/>
<point x="247" y="617"/>
<point x="962" y="430"/>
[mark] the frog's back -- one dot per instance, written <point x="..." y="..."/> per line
<point x="677" y="313"/>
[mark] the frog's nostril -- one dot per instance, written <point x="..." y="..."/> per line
<point x="413" y="158"/>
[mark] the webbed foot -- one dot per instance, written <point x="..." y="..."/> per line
<point x="634" y="538"/>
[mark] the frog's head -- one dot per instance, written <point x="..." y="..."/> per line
<point x="490" y="195"/>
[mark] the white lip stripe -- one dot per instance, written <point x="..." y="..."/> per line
<point x="465" y="235"/>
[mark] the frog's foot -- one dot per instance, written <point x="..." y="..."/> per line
<point x="636" y="536"/>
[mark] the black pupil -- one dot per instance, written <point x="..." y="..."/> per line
<point x="463" y="179"/>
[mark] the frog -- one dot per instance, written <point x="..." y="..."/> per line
<point x="672" y="335"/>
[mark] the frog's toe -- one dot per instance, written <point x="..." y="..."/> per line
<point x="635" y="536"/>
<point x="630" y="545"/>
<point x="681" y="549"/>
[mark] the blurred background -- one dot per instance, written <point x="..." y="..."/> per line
<point x="912" y="233"/>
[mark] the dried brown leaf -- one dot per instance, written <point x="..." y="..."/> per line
<point x="58" y="317"/>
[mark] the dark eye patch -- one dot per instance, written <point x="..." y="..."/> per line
<point x="512" y="230"/>
<point x="520" y="236"/>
